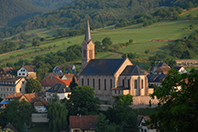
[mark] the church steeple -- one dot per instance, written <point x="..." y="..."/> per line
<point x="88" y="47"/>
<point x="87" y="33"/>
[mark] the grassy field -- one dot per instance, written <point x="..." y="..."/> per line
<point x="193" y="12"/>
<point x="39" y="127"/>
<point x="142" y="38"/>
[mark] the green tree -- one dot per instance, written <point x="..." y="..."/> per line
<point x="24" y="129"/>
<point x="102" y="123"/>
<point x="130" y="124"/>
<point x="57" y="114"/>
<point x="82" y="101"/>
<point x="106" y="42"/>
<point x="73" y="83"/>
<point x="178" y="101"/>
<point x="146" y="51"/>
<point x="33" y="85"/>
<point x="124" y="99"/>
<point x="18" y="113"/>
<point x="36" y="43"/>
<point x="175" y="15"/>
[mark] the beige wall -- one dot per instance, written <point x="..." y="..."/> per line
<point x="87" y="47"/>
<point x="137" y="100"/>
<point x="139" y="91"/>
<point x="6" y="90"/>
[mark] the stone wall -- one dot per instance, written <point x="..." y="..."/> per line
<point x="39" y="117"/>
<point x="137" y="100"/>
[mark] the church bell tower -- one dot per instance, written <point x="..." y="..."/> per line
<point x="88" y="47"/>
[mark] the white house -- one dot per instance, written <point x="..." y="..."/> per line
<point x="27" y="71"/>
<point x="142" y="124"/>
<point x="61" y="90"/>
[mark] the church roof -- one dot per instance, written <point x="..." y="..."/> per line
<point x="132" y="70"/>
<point x="87" y="33"/>
<point x="102" y="66"/>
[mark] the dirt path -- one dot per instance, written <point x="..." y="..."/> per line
<point x="184" y="11"/>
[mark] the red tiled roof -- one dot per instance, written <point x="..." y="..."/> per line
<point x="64" y="82"/>
<point x="84" y="122"/>
<point x="52" y="80"/>
<point x="13" y="96"/>
<point x="69" y="75"/>
<point x="31" y="97"/>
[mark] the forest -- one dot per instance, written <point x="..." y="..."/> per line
<point x="101" y="13"/>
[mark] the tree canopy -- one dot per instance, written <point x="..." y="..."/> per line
<point x="17" y="113"/>
<point x="178" y="103"/>
<point x="82" y="101"/>
<point x="57" y="114"/>
<point x="33" y="85"/>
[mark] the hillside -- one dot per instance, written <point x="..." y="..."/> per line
<point x="49" y="5"/>
<point x="14" y="11"/>
<point x="142" y="38"/>
<point x="101" y="13"/>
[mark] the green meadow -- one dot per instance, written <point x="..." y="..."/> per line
<point x="193" y="12"/>
<point x="142" y="37"/>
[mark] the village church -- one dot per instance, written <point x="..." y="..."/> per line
<point x="110" y="77"/>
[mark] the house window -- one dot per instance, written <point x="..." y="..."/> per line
<point x="87" y="81"/>
<point x="115" y="91"/>
<point x="118" y="91"/>
<point x="90" y="54"/>
<point x="82" y="81"/>
<point x="145" y="130"/>
<point x="85" y="52"/>
<point x="111" y="84"/>
<point x="19" y="73"/>
<point x="142" y="130"/>
<point x="93" y="83"/>
<point x="123" y="82"/>
<point x="105" y="84"/>
<point x="23" y="73"/>
<point x="135" y="84"/>
<point x="128" y="83"/>
<point x="99" y="84"/>
<point x="142" y="83"/>
<point x="7" y="89"/>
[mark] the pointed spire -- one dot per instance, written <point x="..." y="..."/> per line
<point x="87" y="33"/>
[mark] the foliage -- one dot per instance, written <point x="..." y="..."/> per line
<point x="12" y="12"/>
<point x="124" y="99"/>
<point x="130" y="124"/>
<point x="57" y="114"/>
<point x="184" y="48"/>
<point x="50" y="5"/>
<point x="102" y="123"/>
<point x="118" y="113"/>
<point x="24" y="129"/>
<point x="177" y="103"/>
<point x="36" y="43"/>
<point x="82" y="101"/>
<point x="8" y="46"/>
<point x="73" y="84"/>
<point x="75" y="15"/>
<point x="160" y="57"/>
<point x="129" y="55"/>
<point x="14" y="113"/>
<point x="33" y="85"/>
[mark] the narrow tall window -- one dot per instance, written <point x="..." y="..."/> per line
<point x="135" y="84"/>
<point x="93" y="83"/>
<point x="105" y="84"/>
<point x="142" y="83"/>
<point x="128" y="83"/>
<point x="85" y="53"/>
<point x="99" y="84"/>
<point x="90" y="54"/>
<point x="87" y="81"/>
<point x="82" y="81"/>
<point x="123" y="82"/>
<point x="111" y="84"/>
